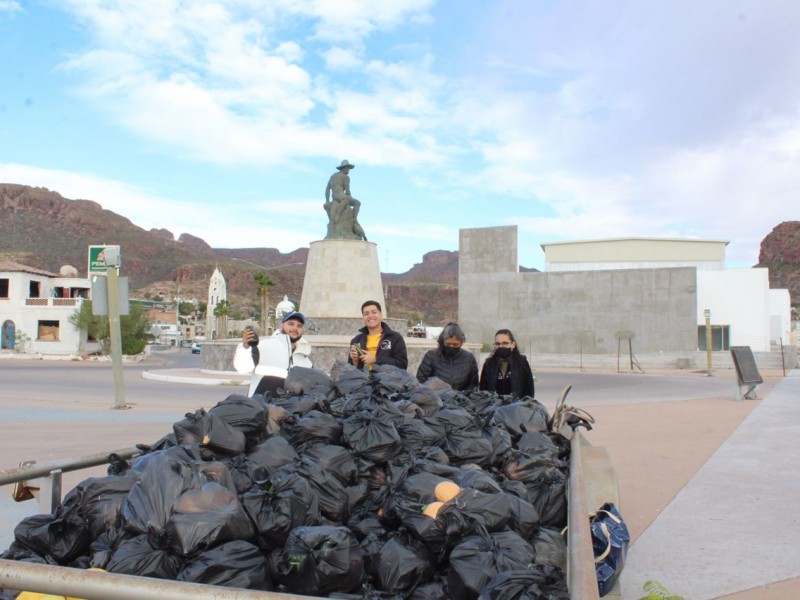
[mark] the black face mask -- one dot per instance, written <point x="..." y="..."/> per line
<point x="450" y="352"/>
<point x="502" y="352"/>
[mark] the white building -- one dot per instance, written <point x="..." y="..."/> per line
<point x="35" y="307"/>
<point x="217" y="291"/>
<point x="743" y="310"/>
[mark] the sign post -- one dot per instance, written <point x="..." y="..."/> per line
<point x="707" y="314"/>
<point x="111" y="258"/>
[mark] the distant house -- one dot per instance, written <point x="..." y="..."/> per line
<point x="35" y="307"/>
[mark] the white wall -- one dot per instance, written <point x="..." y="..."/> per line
<point x="739" y="298"/>
<point x="780" y="316"/>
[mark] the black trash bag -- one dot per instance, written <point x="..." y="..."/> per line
<point x="610" y="539"/>
<point x="522" y="416"/>
<point x="478" y="479"/>
<point x="524" y="517"/>
<point x="214" y="436"/>
<point x="136" y="556"/>
<point x="184" y="454"/>
<point x="299" y="404"/>
<point x="206" y="517"/>
<point x="416" y="436"/>
<point x="492" y="511"/>
<point x="216" y="471"/>
<point x="275" y="417"/>
<point x="149" y="503"/>
<point x="308" y="381"/>
<point x="434" y="467"/>
<point x="432" y="590"/>
<point x="236" y="564"/>
<point x="390" y="381"/>
<point x="537" y="582"/>
<point x="501" y="442"/>
<point x="425" y="396"/>
<point x="336" y="460"/>
<point x="449" y="420"/>
<point x="351" y="382"/>
<point x="279" y="505"/>
<point x="17" y="551"/>
<point x="401" y="565"/>
<point x="410" y="494"/>
<point x="550" y="547"/>
<point x="60" y="540"/>
<point x="540" y="444"/>
<point x="319" y="560"/>
<point x="312" y="429"/>
<point x="372" y="436"/>
<point x="467" y="446"/>
<point x="549" y="495"/>
<point x="266" y="458"/>
<point x="480" y="558"/>
<point x="409" y="409"/>
<point x="102" y="547"/>
<point x="99" y="500"/>
<point x="334" y="502"/>
<point x="248" y="415"/>
<point x="527" y="468"/>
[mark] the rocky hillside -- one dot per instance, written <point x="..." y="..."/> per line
<point x="780" y="252"/>
<point x="45" y="230"/>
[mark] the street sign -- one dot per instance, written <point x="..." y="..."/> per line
<point x="102" y="257"/>
<point x="100" y="297"/>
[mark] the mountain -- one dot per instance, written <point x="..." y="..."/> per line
<point x="42" y="229"/>
<point x="780" y="252"/>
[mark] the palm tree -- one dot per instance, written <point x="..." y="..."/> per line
<point x="221" y="311"/>
<point x="264" y="283"/>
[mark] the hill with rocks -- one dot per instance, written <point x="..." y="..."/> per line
<point x="780" y="252"/>
<point x="42" y="229"/>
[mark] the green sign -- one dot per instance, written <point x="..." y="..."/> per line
<point x="97" y="259"/>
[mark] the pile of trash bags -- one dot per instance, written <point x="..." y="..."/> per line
<point x="349" y="485"/>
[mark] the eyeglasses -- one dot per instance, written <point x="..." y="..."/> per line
<point x="503" y="344"/>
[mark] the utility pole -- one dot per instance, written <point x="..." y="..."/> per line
<point x="707" y="315"/>
<point x="112" y="260"/>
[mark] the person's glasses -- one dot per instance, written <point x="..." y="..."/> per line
<point x="503" y="344"/>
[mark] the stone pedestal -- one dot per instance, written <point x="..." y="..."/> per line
<point x="340" y="275"/>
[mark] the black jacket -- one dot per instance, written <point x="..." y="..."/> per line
<point x="518" y="381"/>
<point x="391" y="347"/>
<point x="461" y="371"/>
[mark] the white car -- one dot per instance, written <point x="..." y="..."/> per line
<point x="195" y="348"/>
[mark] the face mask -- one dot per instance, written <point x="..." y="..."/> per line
<point x="450" y="352"/>
<point x="502" y="352"/>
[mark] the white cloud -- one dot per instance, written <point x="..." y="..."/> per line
<point x="10" y="6"/>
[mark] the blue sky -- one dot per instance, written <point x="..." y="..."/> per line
<point x="571" y="119"/>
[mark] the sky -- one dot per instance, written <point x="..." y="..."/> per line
<point x="571" y="119"/>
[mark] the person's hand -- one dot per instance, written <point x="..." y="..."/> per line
<point x="354" y="355"/>
<point x="369" y="359"/>
<point x="247" y="337"/>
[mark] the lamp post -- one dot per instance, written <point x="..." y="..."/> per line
<point x="707" y="315"/>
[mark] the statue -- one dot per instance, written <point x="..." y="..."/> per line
<point x="341" y="207"/>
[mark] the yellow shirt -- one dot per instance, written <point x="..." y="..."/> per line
<point x="372" y="344"/>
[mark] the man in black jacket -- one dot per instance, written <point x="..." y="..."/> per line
<point x="376" y="342"/>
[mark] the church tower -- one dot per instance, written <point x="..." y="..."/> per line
<point x="217" y="291"/>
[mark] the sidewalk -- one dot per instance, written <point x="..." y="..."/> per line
<point x="197" y="376"/>
<point x="734" y="527"/>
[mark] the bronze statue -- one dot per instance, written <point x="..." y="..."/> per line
<point x="341" y="207"/>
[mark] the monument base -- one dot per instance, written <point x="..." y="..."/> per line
<point x="340" y="276"/>
<point x="347" y="326"/>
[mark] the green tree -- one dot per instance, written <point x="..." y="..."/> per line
<point x="264" y="284"/>
<point x="186" y="308"/>
<point x="134" y="327"/>
<point x="221" y="311"/>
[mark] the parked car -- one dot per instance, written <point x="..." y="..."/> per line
<point x="195" y="348"/>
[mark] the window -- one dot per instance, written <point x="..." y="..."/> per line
<point x="720" y="337"/>
<point x="48" y="331"/>
<point x="3" y="288"/>
<point x="34" y="289"/>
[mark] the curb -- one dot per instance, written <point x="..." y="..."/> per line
<point x="156" y="376"/>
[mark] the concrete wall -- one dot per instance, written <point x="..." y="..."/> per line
<point x="780" y="317"/>
<point x="588" y="312"/>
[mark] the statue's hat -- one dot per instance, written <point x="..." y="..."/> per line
<point x="345" y="164"/>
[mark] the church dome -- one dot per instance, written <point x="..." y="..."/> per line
<point x="284" y="306"/>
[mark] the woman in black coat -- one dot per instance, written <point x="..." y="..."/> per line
<point x="506" y="371"/>
<point x="450" y="362"/>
